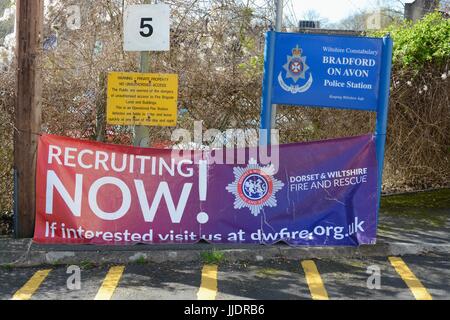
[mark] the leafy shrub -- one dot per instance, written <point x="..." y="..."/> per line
<point x="421" y="44"/>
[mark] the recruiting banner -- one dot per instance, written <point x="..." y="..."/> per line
<point x="326" y="70"/>
<point x="318" y="193"/>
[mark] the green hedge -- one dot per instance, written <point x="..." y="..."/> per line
<point x="419" y="44"/>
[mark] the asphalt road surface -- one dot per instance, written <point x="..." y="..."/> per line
<point x="406" y="278"/>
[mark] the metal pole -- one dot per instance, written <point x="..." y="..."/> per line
<point x="279" y="15"/>
<point x="383" y="108"/>
<point x="142" y="133"/>
<point x="29" y="29"/>
<point x="266" y="101"/>
<point x="268" y="110"/>
<point x="278" y="28"/>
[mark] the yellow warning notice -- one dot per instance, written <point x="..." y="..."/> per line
<point x="142" y="99"/>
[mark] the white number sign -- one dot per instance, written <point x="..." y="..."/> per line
<point x="147" y="27"/>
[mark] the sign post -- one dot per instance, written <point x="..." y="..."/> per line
<point x="267" y="107"/>
<point x="146" y="28"/>
<point x="142" y="133"/>
<point x="383" y="107"/>
<point x="278" y="27"/>
<point x="30" y="17"/>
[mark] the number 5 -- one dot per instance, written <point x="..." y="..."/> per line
<point x="148" y="26"/>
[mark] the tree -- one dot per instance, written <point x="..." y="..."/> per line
<point x="313" y="15"/>
<point x="356" y="21"/>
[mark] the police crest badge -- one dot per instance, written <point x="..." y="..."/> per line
<point x="296" y="69"/>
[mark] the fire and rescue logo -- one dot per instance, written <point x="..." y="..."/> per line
<point x="255" y="187"/>
<point x="296" y="69"/>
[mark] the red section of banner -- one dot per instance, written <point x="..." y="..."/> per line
<point x="94" y="193"/>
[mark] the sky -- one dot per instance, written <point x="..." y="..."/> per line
<point x="333" y="10"/>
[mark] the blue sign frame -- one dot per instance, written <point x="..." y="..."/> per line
<point x="294" y="77"/>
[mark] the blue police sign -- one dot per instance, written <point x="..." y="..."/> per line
<point x="327" y="71"/>
<point x="331" y="71"/>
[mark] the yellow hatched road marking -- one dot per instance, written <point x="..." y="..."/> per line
<point x="414" y="284"/>
<point x="208" y="287"/>
<point x="27" y="291"/>
<point x="314" y="280"/>
<point x="110" y="283"/>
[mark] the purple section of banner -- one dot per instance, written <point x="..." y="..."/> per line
<point x="325" y="193"/>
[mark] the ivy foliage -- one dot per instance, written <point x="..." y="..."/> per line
<point x="419" y="44"/>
